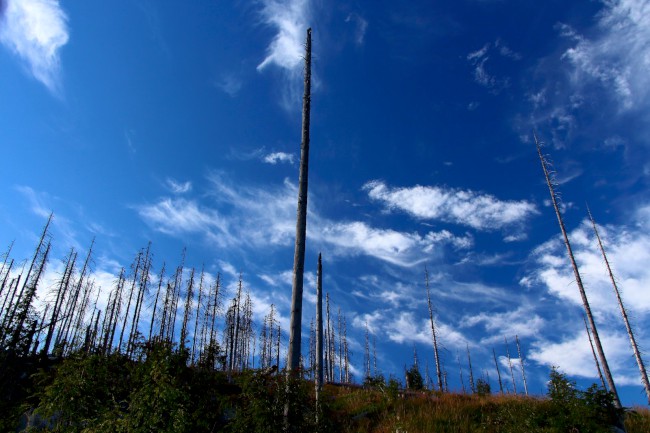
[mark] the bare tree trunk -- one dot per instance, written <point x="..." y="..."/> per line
<point x="136" y="269"/>
<point x="301" y="223"/>
<point x="60" y="295"/>
<point x="460" y="369"/>
<point x="366" y="354"/>
<point x="583" y="295"/>
<point x="521" y="363"/>
<point x="198" y="310"/>
<point x="155" y="303"/>
<point x="593" y="351"/>
<point x="512" y="373"/>
<point x="319" y="329"/>
<point x="471" y="373"/>
<point x="115" y="313"/>
<point x="496" y="364"/>
<point x="628" y="327"/>
<point x="433" y="330"/>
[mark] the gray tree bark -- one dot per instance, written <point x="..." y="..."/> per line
<point x="301" y="223"/>
<point x="576" y="272"/>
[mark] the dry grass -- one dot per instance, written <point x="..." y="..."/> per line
<point x="361" y="410"/>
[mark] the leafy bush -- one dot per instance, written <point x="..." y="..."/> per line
<point x="483" y="388"/>
<point x="570" y="409"/>
<point x="414" y="378"/>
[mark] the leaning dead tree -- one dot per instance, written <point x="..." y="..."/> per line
<point x="593" y="352"/>
<point x="301" y="223"/>
<point x="583" y="295"/>
<point x="433" y="330"/>
<point x="521" y="364"/>
<point x="512" y="374"/>
<point x="496" y="364"/>
<point x="635" y="347"/>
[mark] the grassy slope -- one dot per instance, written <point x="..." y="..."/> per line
<point x="115" y="394"/>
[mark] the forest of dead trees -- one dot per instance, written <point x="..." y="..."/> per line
<point x="189" y="308"/>
<point x="186" y="307"/>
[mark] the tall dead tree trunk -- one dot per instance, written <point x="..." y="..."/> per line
<point x="433" y="330"/>
<point x="319" y="330"/>
<point x="301" y="223"/>
<point x="512" y="373"/>
<point x="60" y="296"/>
<point x="155" y="303"/>
<point x="471" y="373"/>
<point x="521" y="363"/>
<point x="628" y="327"/>
<point x="496" y="364"/>
<point x="593" y="352"/>
<point x="583" y="295"/>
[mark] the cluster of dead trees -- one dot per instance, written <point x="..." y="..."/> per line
<point x="187" y="307"/>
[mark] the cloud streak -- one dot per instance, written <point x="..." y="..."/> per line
<point x="35" y="31"/>
<point x="618" y="57"/>
<point x="466" y="207"/>
<point x="240" y="216"/>
<point x="276" y="157"/>
<point x="289" y="18"/>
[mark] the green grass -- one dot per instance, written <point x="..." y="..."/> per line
<point x="113" y="394"/>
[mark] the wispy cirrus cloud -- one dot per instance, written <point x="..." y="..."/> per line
<point x="245" y="216"/>
<point x="618" y="55"/>
<point x="470" y="208"/>
<point x="36" y="30"/>
<point x="278" y="157"/>
<point x="361" y="26"/>
<point x="178" y="187"/>
<point x="289" y="17"/>
<point x="628" y="251"/>
<point x="286" y="51"/>
<point x="479" y="58"/>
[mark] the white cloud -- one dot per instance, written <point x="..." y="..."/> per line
<point x="523" y="322"/>
<point x="479" y="58"/>
<point x="36" y="30"/>
<point x="177" y="216"/>
<point x="574" y="357"/>
<point x="628" y="251"/>
<point x="398" y="248"/>
<point x="479" y="211"/>
<point x="290" y="18"/>
<point x="286" y="50"/>
<point x="229" y="84"/>
<point x="405" y="328"/>
<point x="275" y="157"/>
<point x="177" y="187"/>
<point x="250" y="216"/>
<point x="361" y="27"/>
<point x="618" y="57"/>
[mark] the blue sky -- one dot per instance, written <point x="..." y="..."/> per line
<point x="142" y="120"/>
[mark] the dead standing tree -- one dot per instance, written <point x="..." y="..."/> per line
<point x="576" y="273"/>
<point x="635" y="347"/>
<point x="319" y="333"/>
<point x="433" y="330"/>
<point x="301" y="223"/>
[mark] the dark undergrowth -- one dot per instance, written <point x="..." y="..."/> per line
<point x="92" y="393"/>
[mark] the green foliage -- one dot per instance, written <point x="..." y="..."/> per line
<point x="375" y="382"/>
<point x="414" y="378"/>
<point x="160" y="402"/>
<point x="265" y="399"/>
<point x="483" y="388"/>
<point x="82" y="389"/>
<point x="570" y="409"/>
<point x="95" y="394"/>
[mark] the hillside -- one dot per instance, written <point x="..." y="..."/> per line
<point x="93" y="393"/>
